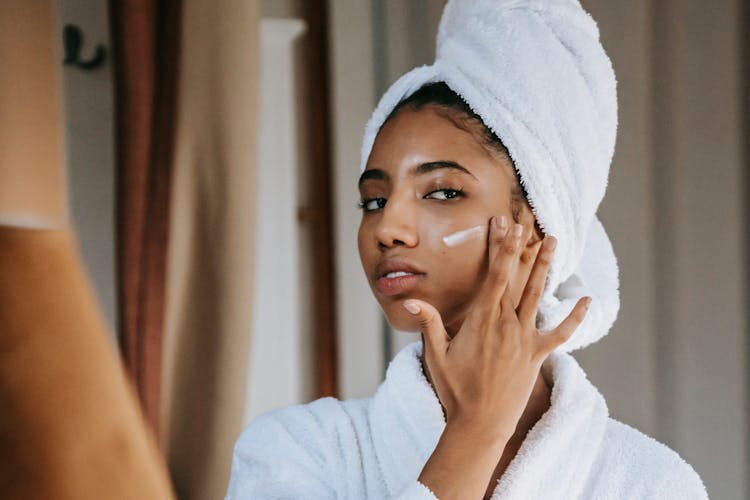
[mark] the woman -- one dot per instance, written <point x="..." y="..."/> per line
<point x="481" y="176"/>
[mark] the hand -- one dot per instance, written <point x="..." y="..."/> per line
<point x="484" y="375"/>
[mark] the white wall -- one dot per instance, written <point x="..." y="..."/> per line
<point x="361" y="353"/>
<point x="89" y="129"/>
<point x="280" y="367"/>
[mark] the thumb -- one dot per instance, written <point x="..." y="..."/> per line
<point x="430" y="323"/>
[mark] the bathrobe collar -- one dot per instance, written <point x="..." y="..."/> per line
<point x="554" y="460"/>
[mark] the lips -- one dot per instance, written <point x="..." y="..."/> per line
<point x="397" y="276"/>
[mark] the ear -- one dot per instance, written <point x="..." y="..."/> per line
<point x="535" y="237"/>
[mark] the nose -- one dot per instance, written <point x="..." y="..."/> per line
<point x="396" y="225"/>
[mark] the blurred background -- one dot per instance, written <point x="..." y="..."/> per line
<point x="264" y="300"/>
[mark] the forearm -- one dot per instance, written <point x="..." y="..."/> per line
<point x="463" y="462"/>
<point x="69" y="425"/>
<point x="31" y="149"/>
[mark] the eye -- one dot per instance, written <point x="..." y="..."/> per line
<point x="445" y="194"/>
<point x="370" y="204"/>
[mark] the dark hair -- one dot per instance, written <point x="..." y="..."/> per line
<point x="438" y="94"/>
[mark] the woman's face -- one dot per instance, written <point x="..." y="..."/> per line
<point x="425" y="179"/>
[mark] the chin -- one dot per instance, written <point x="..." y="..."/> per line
<point x="401" y="320"/>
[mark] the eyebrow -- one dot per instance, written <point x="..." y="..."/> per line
<point x="374" y="174"/>
<point x="424" y="168"/>
<point x="435" y="165"/>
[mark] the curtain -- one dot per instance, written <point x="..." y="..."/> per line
<point x="209" y="275"/>
<point x="145" y="43"/>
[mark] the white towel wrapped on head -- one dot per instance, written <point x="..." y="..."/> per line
<point x="538" y="76"/>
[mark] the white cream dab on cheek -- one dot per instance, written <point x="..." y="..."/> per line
<point x="462" y="236"/>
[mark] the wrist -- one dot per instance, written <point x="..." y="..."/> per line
<point x="478" y="431"/>
<point x="463" y="461"/>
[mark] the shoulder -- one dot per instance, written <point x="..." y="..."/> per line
<point x="289" y="452"/>
<point x="300" y="427"/>
<point x="645" y="466"/>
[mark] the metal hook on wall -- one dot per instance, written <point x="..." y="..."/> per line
<point x="72" y="44"/>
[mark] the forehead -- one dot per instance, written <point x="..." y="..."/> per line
<point x="416" y="137"/>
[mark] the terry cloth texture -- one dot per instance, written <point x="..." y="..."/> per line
<point x="538" y="76"/>
<point x="377" y="447"/>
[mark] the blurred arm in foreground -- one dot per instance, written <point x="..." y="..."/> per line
<point x="70" y="427"/>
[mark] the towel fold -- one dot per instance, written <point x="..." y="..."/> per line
<point x="538" y="76"/>
<point x="377" y="447"/>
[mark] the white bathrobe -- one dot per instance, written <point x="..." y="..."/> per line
<point x="376" y="447"/>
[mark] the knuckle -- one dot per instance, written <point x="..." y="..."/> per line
<point x="526" y="257"/>
<point x="509" y="248"/>
<point x="428" y="318"/>
<point x="545" y="259"/>
<point x="553" y="339"/>
<point x="534" y="292"/>
<point x="501" y="276"/>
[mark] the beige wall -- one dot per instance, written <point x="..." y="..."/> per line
<point x="676" y="364"/>
<point x="281" y="8"/>
<point x="626" y="359"/>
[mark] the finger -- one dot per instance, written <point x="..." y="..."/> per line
<point x="431" y="324"/>
<point x="506" y="304"/>
<point x="532" y="293"/>
<point x="565" y="329"/>
<point x="498" y="230"/>
<point x="500" y="266"/>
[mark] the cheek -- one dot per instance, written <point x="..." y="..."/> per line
<point x="459" y="247"/>
<point x="400" y="319"/>
<point x="458" y="271"/>
<point x="455" y="275"/>
<point x="462" y="273"/>
<point x="362" y="244"/>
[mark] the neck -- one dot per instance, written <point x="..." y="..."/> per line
<point x="539" y="402"/>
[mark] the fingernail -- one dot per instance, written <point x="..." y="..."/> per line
<point x="411" y="307"/>
<point x="502" y="225"/>
<point x="552" y="242"/>
<point x="517" y="230"/>
<point x="588" y="302"/>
